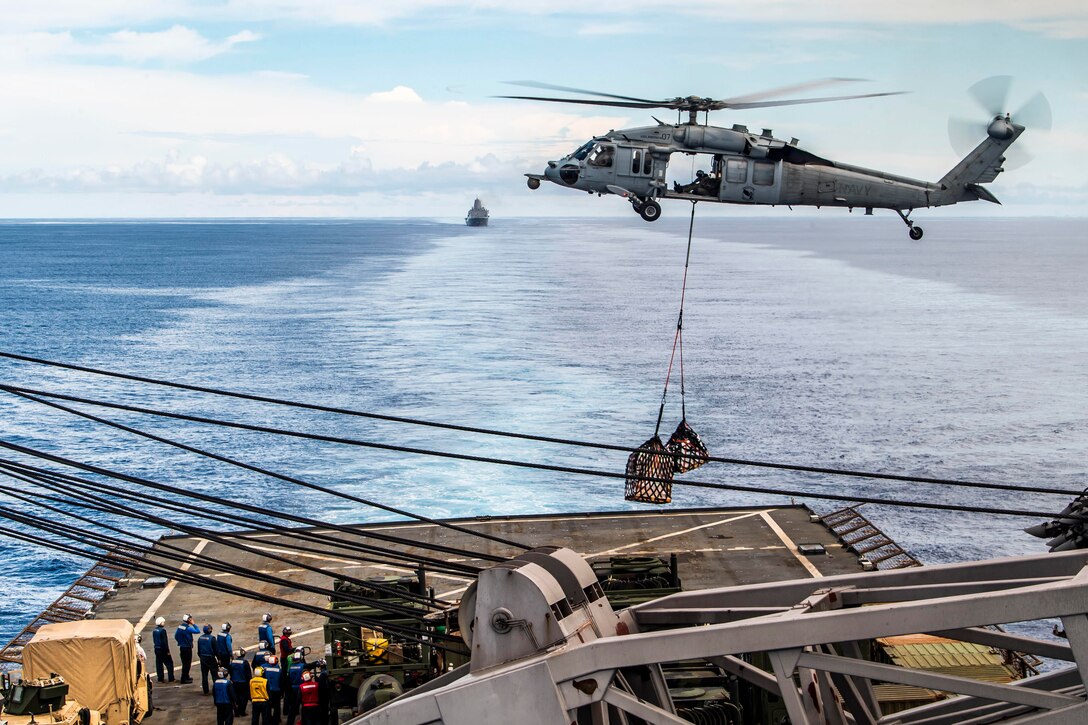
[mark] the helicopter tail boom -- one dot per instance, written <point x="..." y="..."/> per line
<point x="981" y="166"/>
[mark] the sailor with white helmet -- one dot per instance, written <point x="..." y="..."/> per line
<point x="294" y="681"/>
<point x="224" y="645"/>
<point x="275" y="678"/>
<point x="265" y="635"/>
<point x="184" y="637"/>
<point x="240" y="674"/>
<point x="164" y="663"/>
<point x="223" y="695"/>
<point x="309" y="697"/>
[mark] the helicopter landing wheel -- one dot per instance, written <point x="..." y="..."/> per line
<point x="915" y="231"/>
<point x="649" y="210"/>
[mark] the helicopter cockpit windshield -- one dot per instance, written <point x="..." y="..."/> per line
<point x="582" y="151"/>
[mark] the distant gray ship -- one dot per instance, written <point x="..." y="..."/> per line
<point x="477" y="215"/>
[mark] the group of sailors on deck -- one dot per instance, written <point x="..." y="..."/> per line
<point x="274" y="684"/>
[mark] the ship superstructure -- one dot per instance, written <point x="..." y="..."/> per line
<point x="478" y="215"/>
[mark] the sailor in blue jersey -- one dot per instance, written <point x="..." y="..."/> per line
<point x="224" y="645"/>
<point x="240" y="674"/>
<point x="163" y="661"/>
<point x="274" y="675"/>
<point x="183" y="635"/>
<point x="223" y="695"/>
<point x="265" y="634"/>
<point x="260" y="657"/>
<point x="205" y="652"/>
<point x="294" y="682"/>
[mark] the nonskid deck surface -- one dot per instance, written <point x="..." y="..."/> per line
<point x="715" y="547"/>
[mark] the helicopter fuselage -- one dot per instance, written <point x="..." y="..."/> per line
<point x="746" y="168"/>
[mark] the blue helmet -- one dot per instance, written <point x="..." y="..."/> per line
<point x="207" y="629"/>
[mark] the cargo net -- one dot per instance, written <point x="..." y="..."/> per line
<point x="687" y="449"/>
<point x="650" y="460"/>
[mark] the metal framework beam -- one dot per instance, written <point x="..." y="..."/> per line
<point x="823" y="614"/>
<point x="935" y="681"/>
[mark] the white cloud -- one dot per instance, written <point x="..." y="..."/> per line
<point x="272" y="174"/>
<point x="177" y="44"/>
<point x="281" y="75"/>
<point x="112" y="127"/>
<point x="400" y="94"/>
<point x="1057" y="18"/>
<point x="611" y="27"/>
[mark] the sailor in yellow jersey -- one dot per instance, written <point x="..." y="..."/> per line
<point x="258" y="694"/>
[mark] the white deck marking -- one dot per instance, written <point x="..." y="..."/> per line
<point x="385" y="567"/>
<point x="809" y="566"/>
<point x="481" y="522"/>
<point x="168" y="588"/>
<point x="738" y="517"/>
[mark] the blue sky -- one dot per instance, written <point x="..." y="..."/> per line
<point x="330" y="108"/>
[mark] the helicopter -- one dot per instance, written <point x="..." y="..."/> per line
<point x="759" y="169"/>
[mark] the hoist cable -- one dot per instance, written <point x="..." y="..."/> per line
<point x="267" y="472"/>
<point x="680" y="319"/>
<point x="678" y="337"/>
<point x="118" y="509"/>
<point x="801" y="468"/>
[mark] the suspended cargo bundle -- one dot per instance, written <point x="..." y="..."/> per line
<point x="651" y="460"/>
<point x="686" y="448"/>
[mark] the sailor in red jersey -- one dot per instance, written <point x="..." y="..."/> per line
<point x="310" y="697"/>
<point x="286" y="648"/>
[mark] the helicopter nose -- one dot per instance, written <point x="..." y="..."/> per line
<point x="565" y="174"/>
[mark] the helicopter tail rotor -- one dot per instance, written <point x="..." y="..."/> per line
<point x="992" y="96"/>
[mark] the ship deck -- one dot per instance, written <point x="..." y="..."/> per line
<point x="714" y="546"/>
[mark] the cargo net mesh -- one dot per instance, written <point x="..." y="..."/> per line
<point x="651" y="460"/>
<point x="687" y="449"/>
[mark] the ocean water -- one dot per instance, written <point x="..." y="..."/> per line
<point x="827" y="341"/>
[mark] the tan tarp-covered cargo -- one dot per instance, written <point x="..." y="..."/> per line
<point x="97" y="658"/>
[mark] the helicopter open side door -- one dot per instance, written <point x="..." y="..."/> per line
<point x="751" y="181"/>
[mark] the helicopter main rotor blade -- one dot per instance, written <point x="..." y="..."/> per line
<point x="550" y="87"/>
<point x="783" y="90"/>
<point x="797" y="101"/>
<point x="586" y="102"/>
<point x="992" y="94"/>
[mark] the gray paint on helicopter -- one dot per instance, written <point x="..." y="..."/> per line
<point x="747" y="168"/>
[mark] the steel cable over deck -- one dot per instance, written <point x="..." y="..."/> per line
<point x="65" y="482"/>
<point x="96" y="504"/>
<point x="30" y="395"/>
<point x="212" y="584"/>
<point x="179" y="555"/>
<point x="262" y="510"/>
<point x="801" y="468"/>
<point x="610" y="474"/>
